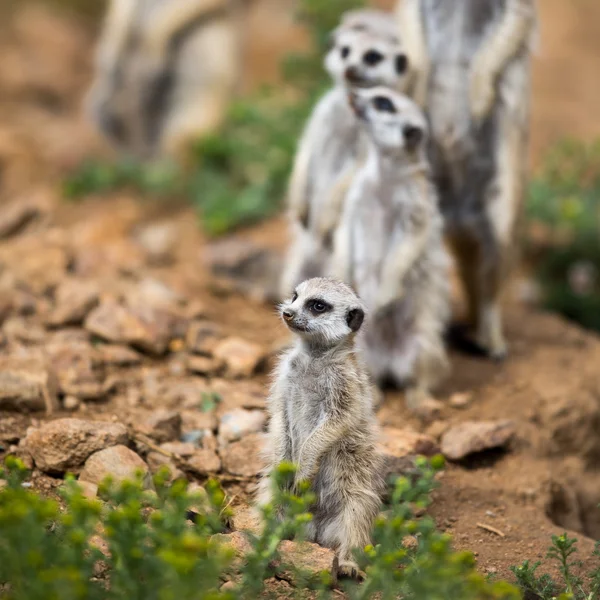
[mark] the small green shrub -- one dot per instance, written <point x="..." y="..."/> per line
<point x="239" y="174"/>
<point x="48" y="551"/>
<point x="572" y="585"/>
<point x="565" y="200"/>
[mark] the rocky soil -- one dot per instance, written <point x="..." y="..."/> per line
<point x="124" y="344"/>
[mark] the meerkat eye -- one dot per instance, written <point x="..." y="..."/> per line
<point x="318" y="306"/>
<point x="383" y="104"/>
<point x="401" y="63"/>
<point x="372" y="57"/>
<point x="345" y="52"/>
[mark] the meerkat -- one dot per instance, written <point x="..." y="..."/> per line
<point x="165" y="72"/>
<point x="389" y="247"/>
<point x="321" y="418"/>
<point x="365" y="51"/>
<point x="473" y="63"/>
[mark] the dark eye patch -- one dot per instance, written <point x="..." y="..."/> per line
<point x="383" y="104"/>
<point x="372" y="58"/>
<point x="345" y="52"/>
<point x="317" y="306"/>
<point x="401" y="63"/>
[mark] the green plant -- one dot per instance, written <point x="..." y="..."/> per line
<point x="572" y="585"/>
<point x="563" y="200"/>
<point x="49" y="552"/>
<point x="239" y="174"/>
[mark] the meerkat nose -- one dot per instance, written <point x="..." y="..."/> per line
<point x="288" y="315"/>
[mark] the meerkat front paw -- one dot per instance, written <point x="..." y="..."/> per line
<point x="422" y="404"/>
<point x="481" y="94"/>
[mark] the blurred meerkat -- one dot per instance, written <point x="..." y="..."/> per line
<point x="472" y="59"/>
<point x="166" y="70"/>
<point x="365" y="51"/>
<point x="389" y="246"/>
<point x="321" y="418"/>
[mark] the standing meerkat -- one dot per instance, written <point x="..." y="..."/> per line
<point x="472" y="65"/>
<point x="166" y="70"/>
<point x="321" y="418"/>
<point x="389" y="246"/>
<point x="366" y="51"/>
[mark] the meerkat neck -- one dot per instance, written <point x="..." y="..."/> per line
<point x="396" y="165"/>
<point x="317" y="348"/>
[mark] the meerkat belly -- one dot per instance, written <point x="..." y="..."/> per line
<point x="371" y="240"/>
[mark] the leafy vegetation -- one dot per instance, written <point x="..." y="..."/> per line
<point x="564" y="206"/>
<point x="150" y="551"/>
<point x="239" y="174"/>
<point x="572" y="585"/>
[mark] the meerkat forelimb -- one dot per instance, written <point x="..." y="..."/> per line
<point x="321" y="418"/>
<point x="331" y="146"/>
<point x="478" y="87"/>
<point x="391" y="247"/>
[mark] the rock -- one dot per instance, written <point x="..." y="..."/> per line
<point x="475" y="436"/>
<point x="119" y="356"/>
<point x="162" y="425"/>
<point x="203" y="365"/>
<point x="74" y="299"/>
<point x="241" y="458"/>
<point x="158" y="241"/>
<point x="27" y="383"/>
<point x="173" y="392"/>
<point x="437" y="429"/>
<point x="238" y="394"/>
<point x="119" y="462"/>
<point x="71" y="403"/>
<point x="147" y="328"/>
<point x="65" y="444"/>
<point x="194" y="420"/>
<point x="156" y="461"/>
<point x="12" y="429"/>
<point x="79" y="369"/>
<point x="236" y="541"/>
<point x="182" y="449"/>
<point x="15" y="216"/>
<point x="238" y="423"/>
<point x="202" y="337"/>
<point x="88" y="489"/>
<point x="461" y="399"/>
<point x="241" y="358"/>
<point x="246" y="518"/>
<point x="309" y="559"/>
<point x="204" y="461"/>
<point x="407" y="442"/>
<point x="153" y="292"/>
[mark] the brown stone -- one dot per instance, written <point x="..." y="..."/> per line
<point x="118" y="462"/>
<point x="119" y="356"/>
<point x="246" y="518"/>
<point x="203" y="365"/>
<point x="147" y="328"/>
<point x="243" y="457"/>
<point x="308" y="559"/>
<point x="475" y="436"/>
<point x="202" y="337"/>
<point x="15" y="216"/>
<point x="407" y="442"/>
<point x="162" y="425"/>
<point x="156" y="461"/>
<point x="204" y="461"/>
<point x="183" y="449"/>
<point x="65" y="444"/>
<point x="74" y="299"/>
<point x="238" y="423"/>
<point x="241" y="358"/>
<point x="27" y="383"/>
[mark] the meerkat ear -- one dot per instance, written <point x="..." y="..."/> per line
<point x="412" y="136"/>
<point x="355" y="318"/>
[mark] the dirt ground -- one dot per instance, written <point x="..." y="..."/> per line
<point x="547" y="480"/>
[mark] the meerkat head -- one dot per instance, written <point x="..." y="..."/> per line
<point x="394" y="122"/>
<point x="323" y="311"/>
<point x="362" y="55"/>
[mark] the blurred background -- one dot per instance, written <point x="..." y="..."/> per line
<point x="235" y="174"/>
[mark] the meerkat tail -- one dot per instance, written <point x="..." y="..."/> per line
<point x="408" y="13"/>
<point x="514" y="30"/>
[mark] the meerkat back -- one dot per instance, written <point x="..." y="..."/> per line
<point x="165" y="72"/>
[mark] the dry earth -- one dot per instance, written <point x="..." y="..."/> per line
<point x="110" y="313"/>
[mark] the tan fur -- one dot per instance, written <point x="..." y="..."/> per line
<point x="321" y="418"/>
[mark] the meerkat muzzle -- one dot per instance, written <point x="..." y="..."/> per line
<point x="287" y="315"/>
